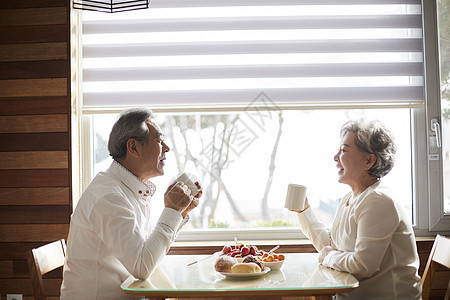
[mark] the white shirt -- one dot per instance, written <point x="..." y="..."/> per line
<point x="375" y="243"/>
<point x="111" y="236"/>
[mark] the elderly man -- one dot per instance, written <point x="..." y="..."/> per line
<point x="110" y="234"/>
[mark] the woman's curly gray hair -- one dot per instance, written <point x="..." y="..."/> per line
<point x="373" y="138"/>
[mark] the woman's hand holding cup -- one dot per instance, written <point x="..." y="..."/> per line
<point x="296" y="199"/>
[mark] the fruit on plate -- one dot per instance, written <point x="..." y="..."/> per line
<point x="240" y="250"/>
<point x="271" y="257"/>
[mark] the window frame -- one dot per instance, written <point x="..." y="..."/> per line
<point x="437" y="220"/>
<point x="427" y="175"/>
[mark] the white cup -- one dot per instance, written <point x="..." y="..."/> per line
<point x="295" y="197"/>
<point x="189" y="180"/>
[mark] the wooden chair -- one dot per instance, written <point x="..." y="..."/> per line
<point x="440" y="254"/>
<point x="43" y="260"/>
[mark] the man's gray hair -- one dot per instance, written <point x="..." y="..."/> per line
<point x="130" y="125"/>
<point x="373" y="138"/>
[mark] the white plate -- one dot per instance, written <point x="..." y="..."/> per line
<point x="246" y="275"/>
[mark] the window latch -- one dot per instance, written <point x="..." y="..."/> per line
<point x="436" y="128"/>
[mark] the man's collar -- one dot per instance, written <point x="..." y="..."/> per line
<point x="140" y="189"/>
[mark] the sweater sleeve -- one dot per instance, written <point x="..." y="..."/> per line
<point x="314" y="230"/>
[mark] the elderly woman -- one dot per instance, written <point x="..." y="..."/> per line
<point x="370" y="236"/>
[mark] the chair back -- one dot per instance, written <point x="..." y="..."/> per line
<point x="439" y="255"/>
<point x="43" y="260"/>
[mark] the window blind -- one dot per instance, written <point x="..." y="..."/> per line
<point x="209" y="54"/>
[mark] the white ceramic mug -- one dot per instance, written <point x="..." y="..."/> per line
<point x="189" y="180"/>
<point x="295" y="197"/>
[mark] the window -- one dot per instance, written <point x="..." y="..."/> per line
<point x="444" y="51"/>
<point x="252" y="95"/>
<point x="246" y="168"/>
<point x="436" y="115"/>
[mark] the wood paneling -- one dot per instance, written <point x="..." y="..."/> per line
<point x="33" y="123"/>
<point x="33" y="69"/>
<point x="34" y="34"/>
<point x="33" y="106"/>
<point x="31" y="4"/>
<point x="34" y="178"/>
<point x="34" y="141"/>
<point x="34" y="160"/>
<point x="12" y="286"/>
<point x="34" y="196"/>
<point x="51" y="214"/>
<point x="33" y="52"/>
<point x="7" y="268"/>
<point x="35" y="168"/>
<point x="33" y="16"/>
<point x="36" y="87"/>
<point x="20" y="269"/>
<point x="32" y="232"/>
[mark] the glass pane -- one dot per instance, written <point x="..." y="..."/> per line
<point x="246" y="160"/>
<point x="444" y="47"/>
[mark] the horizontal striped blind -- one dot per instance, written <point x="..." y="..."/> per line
<point x="223" y="54"/>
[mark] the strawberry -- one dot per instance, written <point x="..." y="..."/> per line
<point x="245" y="251"/>
<point x="226" y="249"/>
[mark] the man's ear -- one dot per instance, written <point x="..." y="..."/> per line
<point x="371" y="159"/>
<point x="132" y="148"/>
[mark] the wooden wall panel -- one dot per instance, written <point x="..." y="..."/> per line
<point x="34" y="34"/>
<point x="34" y="160"/>
<point x="33" y="52"/>
<point x="7" y="268"/>
<point x="36" y="123"/>
<point x="33" y="69"/>
<point x="32" y="232"/>
<point x="34" y="178"/>
<point x="31" y="4"/>
<point x="33" y="16"/>
<point x="36" y="87"/>
<point x="50" y="214"/>
<point x="34" y="196"/>
<point x="35" y="164"/>
<point x="32" y="106"/>
<point x="20" y="269"/>
<point x="11" y="286"/>
<point x="33" y="141"/>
